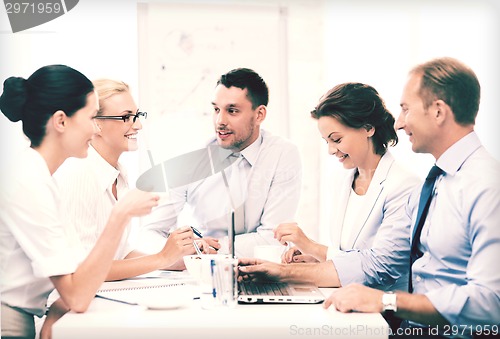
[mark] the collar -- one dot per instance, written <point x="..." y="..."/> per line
<point x="382" y="170"/>
<point x="106" y="174"/>
<point x="383" y="167"/>
<point x="251" y="153"/>
<point x="453" y="158"/>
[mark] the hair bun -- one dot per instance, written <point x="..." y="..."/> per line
<point x="13" y="98"/>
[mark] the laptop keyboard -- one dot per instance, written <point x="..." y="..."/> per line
<point x="267" y="288"/>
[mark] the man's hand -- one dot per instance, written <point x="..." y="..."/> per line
<point x="251" y="269"/>
<point x="356" y="297"/>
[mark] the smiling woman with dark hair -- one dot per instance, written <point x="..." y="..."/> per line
<point x="367" y="200"/>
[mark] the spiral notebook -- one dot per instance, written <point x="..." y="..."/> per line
<point x="137" y="291"/>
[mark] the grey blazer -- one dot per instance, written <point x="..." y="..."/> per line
<point x="375" y="246"/>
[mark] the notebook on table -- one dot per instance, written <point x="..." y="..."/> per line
<point x="136" y="291"/>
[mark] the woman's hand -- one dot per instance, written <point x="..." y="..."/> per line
<point x="294" y="255"/>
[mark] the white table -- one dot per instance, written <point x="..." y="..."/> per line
<point x="108" y="319"/>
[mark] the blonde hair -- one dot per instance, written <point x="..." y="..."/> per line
<point x="106" y="88"/>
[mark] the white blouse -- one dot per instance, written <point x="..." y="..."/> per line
<point x="87" y="198"/>
<point x="34" y="243"/>
<point x="350" y="219"/>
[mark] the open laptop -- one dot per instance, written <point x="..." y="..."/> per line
<point x="269" y="292"/>
<point x="251" y="292"/>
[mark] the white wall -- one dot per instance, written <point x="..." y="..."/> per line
<point x="97" y="38"/>
<point x="377" y="42"/>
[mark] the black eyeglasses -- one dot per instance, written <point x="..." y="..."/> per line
<point x="125" y="118"/>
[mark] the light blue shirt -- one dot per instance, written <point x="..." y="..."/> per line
<point x="272" y="168"/>
<point x="459" y="271"/>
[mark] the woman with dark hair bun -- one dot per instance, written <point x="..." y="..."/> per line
<point x="57" y="106"/>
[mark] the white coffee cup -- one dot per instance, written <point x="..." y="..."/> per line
<point x="271" y="253"/>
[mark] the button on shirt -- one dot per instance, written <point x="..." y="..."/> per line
<point x="273" y="170"/>
<point x="87" y="198"/>
<point x="34" y="243"/>
<point x="461" y="237"/>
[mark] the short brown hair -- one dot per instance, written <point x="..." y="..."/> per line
<point x="453" y="82"/>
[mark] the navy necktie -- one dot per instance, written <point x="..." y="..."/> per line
<point x="423" y="208"/>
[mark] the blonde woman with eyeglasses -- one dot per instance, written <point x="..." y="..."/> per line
<point x="92" y="186"/>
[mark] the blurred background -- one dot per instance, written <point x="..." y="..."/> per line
<point x="171" y="53"/>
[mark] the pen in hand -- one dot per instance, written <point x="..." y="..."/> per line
<point x="198" y="233"/>
<point x="196" y="247"/>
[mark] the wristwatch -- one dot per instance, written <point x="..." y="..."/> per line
<point x="389" y="302"/>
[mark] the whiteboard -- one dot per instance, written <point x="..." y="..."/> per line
<point x="183" y="50"/>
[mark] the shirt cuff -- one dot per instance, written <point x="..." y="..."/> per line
<point x="349" y="268"/>
<point x="331" y="252"/>
<point x="440" y="299"/>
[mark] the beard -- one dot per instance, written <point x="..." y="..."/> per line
<point x="243" y="141"/>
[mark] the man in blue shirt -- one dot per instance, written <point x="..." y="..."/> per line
<point x="456" y="280"/>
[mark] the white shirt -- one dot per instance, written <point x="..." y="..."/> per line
<point x="34" y="243"/>
<point x="350" y="219"/>
<point x="87" y="197"/>
<point x="273" y="172"/>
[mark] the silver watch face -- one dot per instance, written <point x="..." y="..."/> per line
<point x="389" y="302"/>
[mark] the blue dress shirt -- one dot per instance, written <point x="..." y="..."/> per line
<point x="460" y="239"/>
